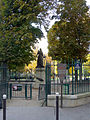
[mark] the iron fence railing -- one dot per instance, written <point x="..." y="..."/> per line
<point x="20" y="90"/>
<point x="4" y="89"/>
<point x="71" y="89"/>
<point x="42" y="92"/>
<point x="77" y="87"/>
<point x="16" y="90"/>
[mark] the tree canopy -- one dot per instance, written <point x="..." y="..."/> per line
<point x="69" y="36"/>
<point x="17" y="34"/>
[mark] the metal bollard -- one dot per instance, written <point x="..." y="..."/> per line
<point x="4" y="107"/>
<point x="57" y="106"/>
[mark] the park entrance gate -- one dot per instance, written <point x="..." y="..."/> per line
<point x="20" y="90"/>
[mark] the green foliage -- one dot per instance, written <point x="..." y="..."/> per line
<point x="86" y="65"/>
<point x="17" y="34"/>
<point x="69" y="36"/>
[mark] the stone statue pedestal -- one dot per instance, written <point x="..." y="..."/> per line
<point x="40" y="77"/>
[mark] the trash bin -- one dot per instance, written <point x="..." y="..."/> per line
<point x="0" y="104"/>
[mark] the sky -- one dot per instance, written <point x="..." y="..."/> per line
<point x="43" y="44"/>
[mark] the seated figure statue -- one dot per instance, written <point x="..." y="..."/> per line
<point x="40" y="59"/>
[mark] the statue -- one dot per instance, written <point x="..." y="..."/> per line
<point x="40" y="59"/>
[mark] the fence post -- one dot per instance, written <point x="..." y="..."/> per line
<point x="7" y="89"/>
<point x="61" y="93"/>
<point x="46" y="83"/>
<point x="68" y="89"/>
<point x="25" y="91"/>
<point x="4" y="107"/>
<point x="30" y="91"/>
<point x="72" y="79"/>
<point x="10" y="90"/>
<point x="57" y="106"/>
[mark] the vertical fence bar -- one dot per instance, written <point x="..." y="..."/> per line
<point x="49" y="79"/>
<point x="54" y="76"/>
<point x="54" y="83"/>
<point x="61" y="93"/>
<point x="75" y="62"/>
<point x="68" y="90"/>
<point x="25" y="91"/>
<point x="65" y="89"/>
<point x="30" y="91"/>
<point x="10" y="90"/>
<point x="77" y="81"/>
<point x="68" y="69"/>
<point x="72" y="79"/>
<point x="84" y="84"/>
<point x="66" y="79"/>
<point x="80" y="78"/>
<point x="57" y="85"/>
<point x="7" y="89"/>
<point x="46" y="84"/>
<point x="88" y="84"/>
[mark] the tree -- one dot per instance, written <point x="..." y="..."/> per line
<point x="69" y="36"/>
<point x="87" y="65"/>
<point x="17" y="33"/>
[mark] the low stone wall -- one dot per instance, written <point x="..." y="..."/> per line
<point x="70" y="100"/>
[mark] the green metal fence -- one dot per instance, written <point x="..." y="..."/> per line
<point x="3" y="79"/>
<point x="20" y="76"/>
<point x="4" y="89"/>
<point x="20" y="90"/>
<point x="75" y="81"/>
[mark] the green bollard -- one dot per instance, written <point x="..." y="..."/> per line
<point x="25" y="91"/>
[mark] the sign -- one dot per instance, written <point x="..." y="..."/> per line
<point x="61" y="70"/>
<point x="77" y="65"/>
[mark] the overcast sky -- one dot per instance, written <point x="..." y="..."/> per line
<point x="43" y="44"/>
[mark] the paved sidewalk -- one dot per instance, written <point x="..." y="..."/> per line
<point x="35" y="112"/>
<point x="23" y="103"/>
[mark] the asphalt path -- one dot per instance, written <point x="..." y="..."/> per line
<point x="30" y="110"/>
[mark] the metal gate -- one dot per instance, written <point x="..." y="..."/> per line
<point x="20" y="90"/>
<point x="45" y="89"/>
